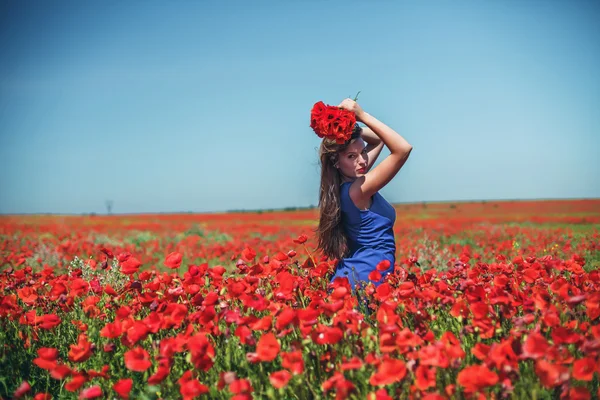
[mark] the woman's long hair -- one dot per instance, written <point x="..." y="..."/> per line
<point x="331" y="238"/>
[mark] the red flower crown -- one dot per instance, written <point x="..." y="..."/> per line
<point x="332" y="122"/>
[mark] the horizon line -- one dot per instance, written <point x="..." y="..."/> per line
<point x="287" y="208"/>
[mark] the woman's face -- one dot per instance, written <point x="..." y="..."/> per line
<point x="354" y="160"/>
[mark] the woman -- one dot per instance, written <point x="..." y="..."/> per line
<point x="356" y="222"/>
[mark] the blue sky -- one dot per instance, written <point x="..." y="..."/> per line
<point x="204" y="105"/>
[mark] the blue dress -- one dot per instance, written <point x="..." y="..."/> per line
<point x="370" y="238"/>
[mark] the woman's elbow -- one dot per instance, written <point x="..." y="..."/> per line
<point x="403" y="151"/>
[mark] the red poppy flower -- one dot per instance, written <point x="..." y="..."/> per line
<point x="354" y="363"/>
<point x="76" y="382"/>
<point x="387" y="342"/>
<point x="163" y="370"/>
<point x="381" y="394"/>
<point x="375" y="276"/>
<point x="263" y="324"/>
<point x="475" y="378"/>
<point x="123" y="387"/>
<point x="130" y="265"/>
<point x="82" y="350"/>
<point x="60" y="372"/>
<point x="280" y="256"/>
<point x="332" y="122"/>
<point x="190" y="387"/>
<point x="47" y="358"/>
<point x="405" y="339"/>
<point x="535" y="346"/>
<point x="389" y="371"/>
<point x="383" y="265"/>
<point x="268" y="347"/>
<point x="248" y="254"/>
<point x="579" y="393"/>
<point x="48" y="321"/>
<point x="109" y="254"/>
<point x="244" y="334"/>
<point x="22" y="390"/>
<point x="551" y="375"/>
<point x="137" y="359"/>
<point x="293" y="361"/>
<point x="406" y="289"/>
<point x="327" y="335"/>
<point x="341" y="385"/>
<point x="503" y="357"/>
<point x="240" y="386"/>
<point x="301" y="239"/>
<point x="584" y="369"/>
<point x="286" y="317"/>
<point x="425" y="377"/>
<point x="27" y="295"/>
<point x="92" y="392"/>
<point x="434" y="355"/>
<point x="561" y="335"/>
<point x="280" y="379"/>
<point x="202" y="351"/>
<point x="111" y="330"/>
<point x="384" y="291"/>
<point x="173" y="260"/>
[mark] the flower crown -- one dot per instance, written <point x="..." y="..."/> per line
<point x="334" y="123"/>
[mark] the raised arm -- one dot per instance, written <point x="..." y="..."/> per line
<point x="374" y="145"/>
<point x="367" y="185"/>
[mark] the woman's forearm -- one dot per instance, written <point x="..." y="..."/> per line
<point x="369" y="136"/>
<point x="392" y="139"/>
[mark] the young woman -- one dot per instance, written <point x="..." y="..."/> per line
<point x="356" y="222"/>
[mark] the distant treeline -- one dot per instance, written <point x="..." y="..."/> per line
<point x="424" y="204"/>
<point x="266" y="210"/>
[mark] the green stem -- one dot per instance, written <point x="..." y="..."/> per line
<point x="310" y="255"/>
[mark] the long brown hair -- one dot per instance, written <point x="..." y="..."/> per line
<point x="331" y="238"/>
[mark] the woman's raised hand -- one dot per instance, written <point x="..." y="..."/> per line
<point x="351" y="105"/>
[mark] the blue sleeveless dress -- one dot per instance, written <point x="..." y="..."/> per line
<point x="370" y="238"/>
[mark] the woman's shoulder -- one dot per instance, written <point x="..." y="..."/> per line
<point x="345" y="188"/>
<point x="347" y="204"/>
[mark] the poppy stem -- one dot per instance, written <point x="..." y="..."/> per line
<point x="310" y="255"/>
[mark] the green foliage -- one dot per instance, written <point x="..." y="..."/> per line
<point x="208" y="236"/>
<point x="138" y="238"/>
<point x="106" y="240"/>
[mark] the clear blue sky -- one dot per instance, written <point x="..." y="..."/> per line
<point x="204" y="105"/>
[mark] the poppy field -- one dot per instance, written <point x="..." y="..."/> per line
<point x="488" y="300"/>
